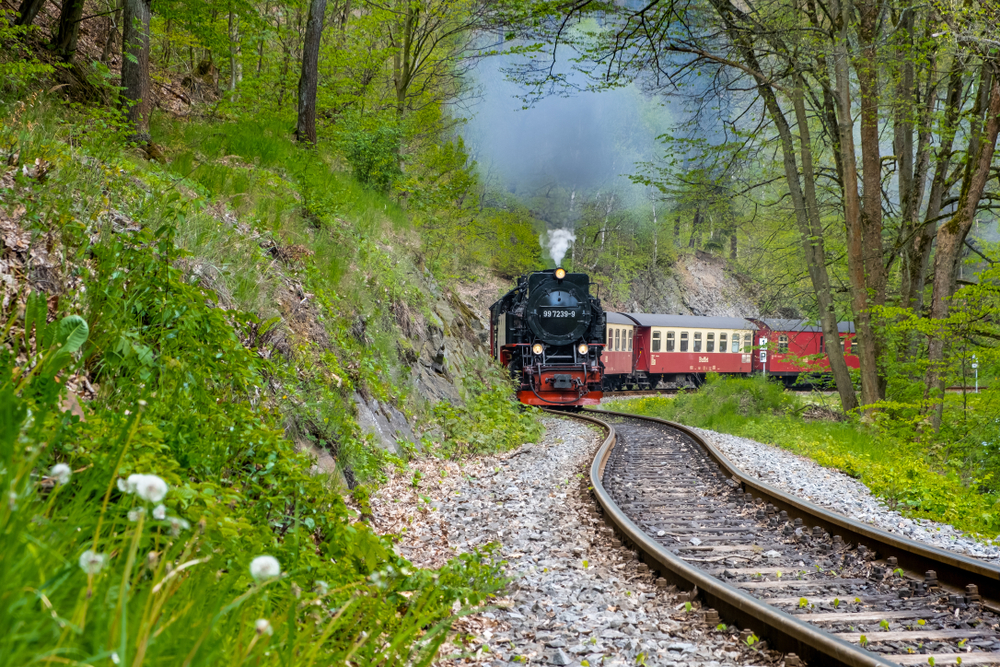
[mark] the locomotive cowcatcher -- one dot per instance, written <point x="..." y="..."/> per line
<point x="549" y="332"/>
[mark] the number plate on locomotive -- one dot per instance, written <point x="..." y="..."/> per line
<point x="558" y="313"/>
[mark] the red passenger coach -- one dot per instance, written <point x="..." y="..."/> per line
<point x="793" y="347"/>
<point x="619" y="349"/>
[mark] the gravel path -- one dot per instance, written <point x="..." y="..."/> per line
<point x="574" y="600"/>
<point x="833" y="489"/>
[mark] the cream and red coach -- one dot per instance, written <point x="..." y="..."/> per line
<point x="683" y="348"/>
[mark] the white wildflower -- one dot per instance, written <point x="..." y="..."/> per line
<point x="322" y="587"/>
<point x="263" y="568"/>
<point x="61" y="473"/>
<point x="177" y="525"/>
<point x="160" y="513"/>
<point x="114" y="657"/>
<point x="132" y="483"/>
<point x="123" y="486"/>
<point x="151" y="488"/>
<point x="12" y="501"/>
<point x="135" y="514"/>
<point x="264" y="627"/>
<point x="91" y="562"/>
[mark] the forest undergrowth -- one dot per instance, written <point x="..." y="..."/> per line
<point x="944" y="477"/>
<point x="174" y="333"/>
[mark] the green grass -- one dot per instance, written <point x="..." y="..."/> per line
<point x="185" y="393"/>
<point x="922" y="480"/>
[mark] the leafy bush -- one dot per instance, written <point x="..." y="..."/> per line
<point x="371" y="145"/>
<point x="489" y="422"/>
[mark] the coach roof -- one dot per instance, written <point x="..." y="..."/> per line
<point x="790" y="325"/>
<point x="690" y="321"/>
<point x="618" y="318"/>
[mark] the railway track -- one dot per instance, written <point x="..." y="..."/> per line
<point x="815" y="585"/>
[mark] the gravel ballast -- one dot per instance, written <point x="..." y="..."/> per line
<point x="574" y="598"/>
<point x="833" y="489"/>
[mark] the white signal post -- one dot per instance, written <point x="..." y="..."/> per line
<point x="975" y="367"/>
<point x="763" y="354"/>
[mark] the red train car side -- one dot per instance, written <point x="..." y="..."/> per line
<point x="789" y="348"/>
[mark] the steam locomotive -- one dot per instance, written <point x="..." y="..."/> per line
<point x="549" y="332"/>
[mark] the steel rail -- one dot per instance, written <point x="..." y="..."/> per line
<point x="784" y="632"/>
<point x="954" y="571"/>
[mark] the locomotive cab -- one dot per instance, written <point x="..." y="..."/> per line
<point x="549" y="332"/>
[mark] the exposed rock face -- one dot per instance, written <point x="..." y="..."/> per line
<point x="385" y="422"/>
<point x="699" y="284"/>
<point x="442" y="343"/>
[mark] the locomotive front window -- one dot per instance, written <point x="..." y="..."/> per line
<point x="630" y="332"/>
<point x="782" y="344"/>
<point x="697" y="341"/>
<point x="670" y="341"/>
<point x="710" y="342"/>
<point x="656" y="341"/>
<point x="684" y="341"/>
<point x="736" y="342"/>
<point x="723" y="343"/>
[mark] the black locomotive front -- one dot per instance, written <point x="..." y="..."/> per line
<point x="549" y="331"/>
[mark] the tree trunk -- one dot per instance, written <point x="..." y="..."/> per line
<point x="235" y="50"/>
<point x="695" y="230"/>
<point x="308" y="82"/>
<point x="677" y="231"/>
<point x="402" y="66"/>
<point x="136" y="92"/>
<point x="871" y="292"/>
<point x="69" y="29"/>
<point x="951" y="236"/>
<point x="732" y="246"/>
<point x="27" y="12"/>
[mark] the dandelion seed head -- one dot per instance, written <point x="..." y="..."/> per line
<point x="132" y="483"/>
<point x="61" y="473"/>
<point x="91" y="562"/>
<point x="160" y="513"/>
<point x="123" y="486"/>
<point x="151" y="488"/>
<point x="135" y="514"/>
<point x="264" y="627"/>
<point x="263" y="568"/>
<point x="177" y="525"/>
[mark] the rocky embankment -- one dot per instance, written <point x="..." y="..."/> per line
<point x="574" y="599"/>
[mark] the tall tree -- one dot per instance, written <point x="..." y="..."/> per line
<point x="136" y="91"/>
<point x="309" y="80"/>
<point x="68" y="33"/>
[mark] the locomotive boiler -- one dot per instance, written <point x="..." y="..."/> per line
<point x="549" y="332"/>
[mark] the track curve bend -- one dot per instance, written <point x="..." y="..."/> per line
<point x="829" y="590"/>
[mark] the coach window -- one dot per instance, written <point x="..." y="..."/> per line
<point x="684" y="341"/>
<point x="630" y="332"/>
<point x="723" y="342"/>
<point x="782" y="344"/>
<point x="670" y="341"/>
<point x="843" y="348"/>
<point x="607" y="343"/>
<point x="736" y="342"/>
<point x="697" y="341"/>
<point x="656" y="341"/>
<point x="618" y="340"/>
<point x="710" y="342"/>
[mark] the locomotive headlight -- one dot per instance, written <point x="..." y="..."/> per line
<point x="537" y="348"/>
<point x="560" y="273"/>
<point x="582" y="349"/>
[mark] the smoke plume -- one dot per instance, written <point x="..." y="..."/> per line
<point x="558" y="243"/>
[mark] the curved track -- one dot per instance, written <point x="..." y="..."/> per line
<point x="830" y="590"/>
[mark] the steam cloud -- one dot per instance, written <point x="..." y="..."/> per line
<point x="558" y="243"/>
